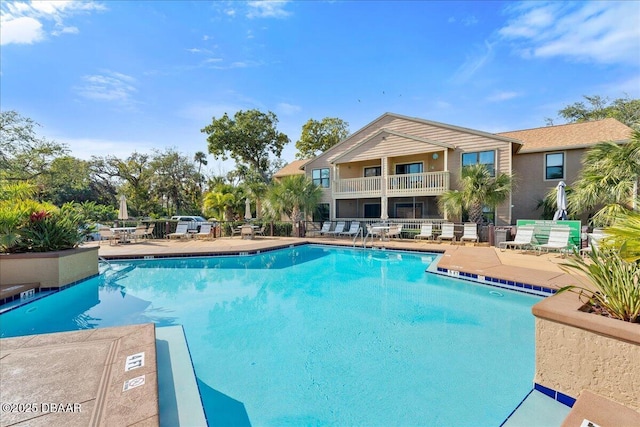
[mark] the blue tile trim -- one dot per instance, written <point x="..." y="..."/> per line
<point x="555" y="395"/>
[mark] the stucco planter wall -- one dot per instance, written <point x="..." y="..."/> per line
<point x="50" y="269"/>
<point x="578" y="351"/>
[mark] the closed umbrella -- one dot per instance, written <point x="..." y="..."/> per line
<point x="122" y="212"/>
<point x="247" y="209"/>
<point x="561" y="202"/>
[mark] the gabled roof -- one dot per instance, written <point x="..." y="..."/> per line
<point x="340" y="145"/>
<point x="293" y="168"/>
<point x="570" y="136"/>
<point x="385" y="131"/>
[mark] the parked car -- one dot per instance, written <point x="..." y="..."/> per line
<point x="188" y="218"/>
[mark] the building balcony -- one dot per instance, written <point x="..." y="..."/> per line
<point x="413" y="184"/>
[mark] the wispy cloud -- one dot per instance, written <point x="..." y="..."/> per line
<point x="288" y="109"/>
<point x="85" y="148"/>
<point x="600" y="32"/>
<point x="267" y="9"/>
<point x="109" y="86"/>
<point x="502" y="96"/>
<point x="30" y="22"/>
<point x="473" y="63"/>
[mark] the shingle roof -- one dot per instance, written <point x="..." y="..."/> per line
<point x="293" y="168"/>
<point x="574" y="135"/>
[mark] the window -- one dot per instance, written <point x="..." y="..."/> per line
<point x="554" y="166"/>
<point x="320" y="177"/>
<point x="406" y="168"/>
<point x="372" y="171"/>
<point x="372" y="210"/>
<point x="487" y="158"/>
<point x="408" y="210"/>
<point x="321" y="213"/>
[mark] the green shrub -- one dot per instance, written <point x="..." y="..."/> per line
<point x="616" y="284"/>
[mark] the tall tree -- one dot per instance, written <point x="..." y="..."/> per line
<point x="23" y="154"/>
<point x="249" y="138"/>
<point x="477" y="190"/>
<point x="609" y="178"/>
<point x="319" y="136"/>
<point x="174" y="179"/>
<point x="625" y="110"/>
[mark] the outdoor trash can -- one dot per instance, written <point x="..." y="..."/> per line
<point x="500" y="235"/>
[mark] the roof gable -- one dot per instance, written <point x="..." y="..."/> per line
<point x="570" y="136"/>
<point x="293" y="168"/>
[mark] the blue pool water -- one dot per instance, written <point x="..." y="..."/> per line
<point x="319" y="336"/>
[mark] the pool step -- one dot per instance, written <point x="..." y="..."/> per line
<point x="178" y="396"/>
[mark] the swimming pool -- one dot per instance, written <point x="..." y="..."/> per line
<point x="318" y="335"/>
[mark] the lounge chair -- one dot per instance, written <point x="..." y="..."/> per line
<point x="447" y="232"/>
<point x="426" y="232"/>
<point x="336" y="231"/>
<point x="354" y="227"/>
<point x="558" y="241"/>
<point x="594" y="241"/>
<point x="395" y="231"/>
<point x="205" y="231"/>
<point x="182" y="230"/>
<point x="470" y="232"/>
<point x="523" y="239"/>
<point x="326" y="226"/>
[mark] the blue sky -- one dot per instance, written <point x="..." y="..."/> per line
<point x="111" y="77"/>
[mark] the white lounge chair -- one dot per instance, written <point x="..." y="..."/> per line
<point x="326" y="226"/>
<point x="426" y="232"/>
<point x="339" y="229"/>
<point x="470" y="232"/>
<point x="594" y="241"/>
<point x="447" y="232"/>
<point x="558" y="241"/>
<point x="182" y="230"/>
<point x="354" y="227"/>
<point x="205" y="231"/>
<point x="523" y="239"/>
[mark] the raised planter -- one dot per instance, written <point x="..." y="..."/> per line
<point x="578" y="351"/>
<point x="50" y="269"/>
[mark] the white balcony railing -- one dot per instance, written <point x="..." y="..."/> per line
<point x="424" y="184"/>
<point x="414" y="184"/>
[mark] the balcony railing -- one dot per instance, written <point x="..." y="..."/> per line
<point x="414" y="184"/>
<point x="424" y="184"/>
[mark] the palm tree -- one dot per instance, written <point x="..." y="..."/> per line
<point x="223" y="202"/>
<point x="477" y="190"/>
<point x="609" y="178"/>
<point x="293" y="196"/>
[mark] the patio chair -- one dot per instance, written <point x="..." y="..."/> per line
<point x="354" y="227"/>
<point x="594" y="242"/>
<point x="139" y="233"/>
<point x="470" y="232"/>
<point x="336" y="231"/>
<point x="235" y="231"/>
<point x="558" y="241"/>
<point x="326" y="226"/>
<point x="260" y="231"/>
<point x="372" y="231"/>
<point x="182" y="230"/>
<point x="447" y="232"/>
<point x="247" y="232"/>
<point x="148" y="234"/>
<point x="523" y="239"/>
<point x="426" y="232"/>
<point x="395" y="231"/>
<point x="205" y="231"/>
<point x="107" y="234"/>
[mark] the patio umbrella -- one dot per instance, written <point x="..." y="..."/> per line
<point x="122" y="212"/>
<point x="247" y="209"/>
<point x="561" y="202"/>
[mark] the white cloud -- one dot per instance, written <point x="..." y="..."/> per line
<point x="288" y="109"/>
<point x="473" y="63"/>
<point x="29" y="22"/>
<point x="84" y="148"/>
<point x="22" y="30"/>
<point x="267" y="9"/>
<point x="502" y="96"/>
<point x="109" y="86"/>
<point x="601" y="32"/>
